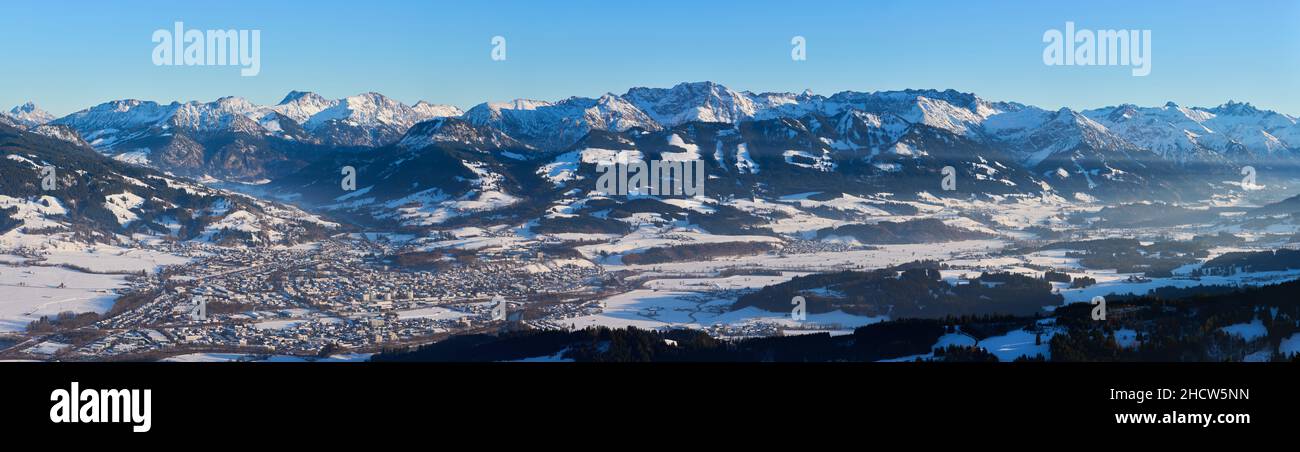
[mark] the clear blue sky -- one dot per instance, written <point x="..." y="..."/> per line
<point x="68" y="55"/>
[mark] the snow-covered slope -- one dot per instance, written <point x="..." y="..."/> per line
<point x="98" y="199"/>
<point x="455" y="130"/>
<point x="60" y="132"/>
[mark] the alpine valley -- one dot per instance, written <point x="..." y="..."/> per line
<point x="959" y="227"/>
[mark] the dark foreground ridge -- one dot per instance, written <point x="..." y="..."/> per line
<point x="1185" y="327"/>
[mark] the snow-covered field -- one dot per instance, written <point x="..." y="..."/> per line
<point x="114" y="259"/>
<point x="1109" y="281"/>
<point x="1290" y="345"/>
<point x="1006" y="347"/>
<point x="1015" y="344"/>
<point x="33" y="291"/>
<point x="958" y="339"/>
<point x="648" y="237"/>
<point x="432" y="313"/>
<point x="650" y="309"/>
<point x="884" y="256"/>
<point x="670" y="300"/>
<point x="728" y="283"/>
<point x="1248" y="331"/>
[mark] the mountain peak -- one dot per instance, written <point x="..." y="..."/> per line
<point x="369" y="95"/>
<point x="1234" y="108"/>
<point x="1066" y="115"/>
<point x="25" y="108"/>
<point x="524" y="104"/>
<point x="428" y="110"/>
<point x="681" y="89"/>
<point x="30" y="115"/>
<point x="692" y="101"/>
<point x="234" y="102"/>
<point x="293" y="96"/>
<point x="1123" y="112"/>
<point x="702" y="85"/>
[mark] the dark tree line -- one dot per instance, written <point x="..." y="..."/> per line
<point x="914" y="290"/>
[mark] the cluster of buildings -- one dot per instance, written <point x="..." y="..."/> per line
<point x="339" y="294"/>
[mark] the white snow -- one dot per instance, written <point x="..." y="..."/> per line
<point x="1290" y="345"/>
<point x="137" y="157"/>
<point x="651" y="309"/>
<point x="745" y="164"/>
<point x="1015" y="344"/>
<point x="1248" y="331"/>
<point x="121" y="205"/>
<point x="34" y="291"/>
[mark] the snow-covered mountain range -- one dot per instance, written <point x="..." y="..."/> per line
<point x="368" y="119"/>
<point x="1231" y="132"/>
<point x="231" y="137"/>
<point x="426" y="164"/>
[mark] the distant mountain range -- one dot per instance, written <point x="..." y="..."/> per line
<point x="233" y="138"/>
<point x="1233" y="131"/>
<point x="428" y="165"/>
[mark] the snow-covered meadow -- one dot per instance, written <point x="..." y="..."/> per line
<point x="70" y="278"/>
